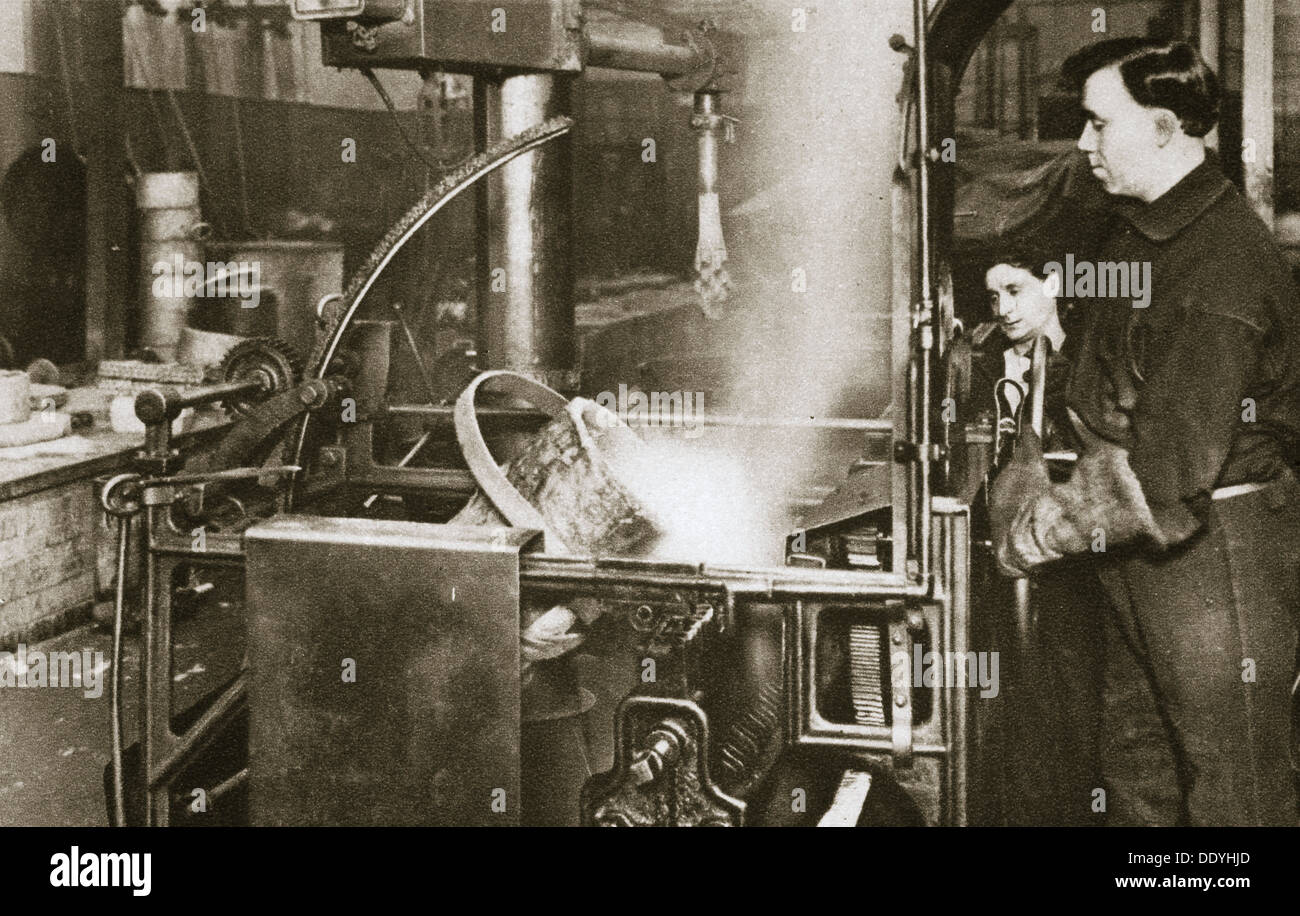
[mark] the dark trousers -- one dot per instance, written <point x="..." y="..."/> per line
<point x="1200" y="658"/>
<point x="1035" y="745"/>
<point x="1055" y="701"/>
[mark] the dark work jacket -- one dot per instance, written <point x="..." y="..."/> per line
<point x="1203" y="385"/>
<point x="987" y="366"/>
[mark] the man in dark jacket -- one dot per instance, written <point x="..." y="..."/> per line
<point x="1188" y="408"/>
<point x="1037" y="764"/>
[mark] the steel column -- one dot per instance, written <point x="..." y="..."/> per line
<point x="524" y="269"/>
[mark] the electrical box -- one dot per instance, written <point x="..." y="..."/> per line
<point x="463" y="36"/>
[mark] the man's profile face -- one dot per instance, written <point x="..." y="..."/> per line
<point x="1120" y="136"/>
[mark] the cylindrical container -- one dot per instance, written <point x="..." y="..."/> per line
<point x="572" y="477"/>
<point x="300" y="274"/>
<point x="15" y="396"/>
<point x="171" y="232"/>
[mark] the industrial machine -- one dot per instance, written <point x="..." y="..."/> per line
<point x="384" y="682"/>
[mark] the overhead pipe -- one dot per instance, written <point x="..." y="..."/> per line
<point x="622" y="44"/>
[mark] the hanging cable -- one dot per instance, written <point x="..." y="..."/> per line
<point x="128" y="150"/>
<point x="243" y="170"/>
<point x="397" y="121"/>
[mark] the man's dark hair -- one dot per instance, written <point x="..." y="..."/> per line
<point x="1019" y="255"/>
<point x="1158" y="74"/>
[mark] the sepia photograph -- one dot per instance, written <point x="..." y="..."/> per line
<point x="651" y="413"/>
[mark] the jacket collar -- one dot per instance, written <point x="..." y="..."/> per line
<point x="1177" y="208"/>
<point x="1000" y="343"/>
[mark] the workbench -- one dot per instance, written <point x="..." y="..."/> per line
<point x="56" y="545"/>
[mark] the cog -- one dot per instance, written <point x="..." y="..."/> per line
<point x="267" y="359"/>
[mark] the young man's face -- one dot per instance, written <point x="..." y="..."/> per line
<point x="1120" y="136"/>
<point x="1019" y="301"/>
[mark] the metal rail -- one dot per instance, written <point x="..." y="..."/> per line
<point x="507" y="415"/>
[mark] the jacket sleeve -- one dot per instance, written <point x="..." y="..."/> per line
<point x="1158" y="489"/>
<point x="1188" y="413"/>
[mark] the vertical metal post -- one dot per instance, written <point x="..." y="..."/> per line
<point x="1257" y="104"/>
<point x="524" y="269"/>
<point x="925" y="315"/>
<point x="1209" y="28"/>
<point x="155" y="697"/>
<point x="115" y="719"/>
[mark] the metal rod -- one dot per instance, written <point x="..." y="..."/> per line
<point x="926" y="316"/>
<point x="442" y="412"/>
<point x="415" y="351"/>
<point x="185" y="746"/>
<point x="155" y="667"/>
<point x="765" y="582"/>
<point x="865" y="743"/>
<point x="844" y="423"/>
<point x="406" y="459"/>
<point x="222" y="788"/>
<point x="119" y="610"/>
<point x="179" y="480"/>
<point x="154" y="406"/>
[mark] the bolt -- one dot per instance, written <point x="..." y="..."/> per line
<point x="660" y="751"/>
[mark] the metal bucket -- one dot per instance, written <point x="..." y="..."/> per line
<point x="565" y="481"/>
<point x="301" y="273"/>
<point x="171" y="225"/>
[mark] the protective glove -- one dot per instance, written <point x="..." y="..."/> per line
<point x="1102" y="503"/>
<point x="1019" y="483"/>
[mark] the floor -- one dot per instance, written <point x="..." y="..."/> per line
<point x="54" y="742"/>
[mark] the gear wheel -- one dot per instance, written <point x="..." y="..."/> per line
<point x="266" y="358"/>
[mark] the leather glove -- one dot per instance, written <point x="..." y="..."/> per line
<point x="1036" y="522"/>
<point x="1020" y="482"/>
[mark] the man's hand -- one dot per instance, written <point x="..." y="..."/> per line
<point x="1021" y="481"/>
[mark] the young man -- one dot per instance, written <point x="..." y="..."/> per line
<point x="1042" y="760"/>
<point x="1188" y="408"/>
<point x="1023" y="305"/>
